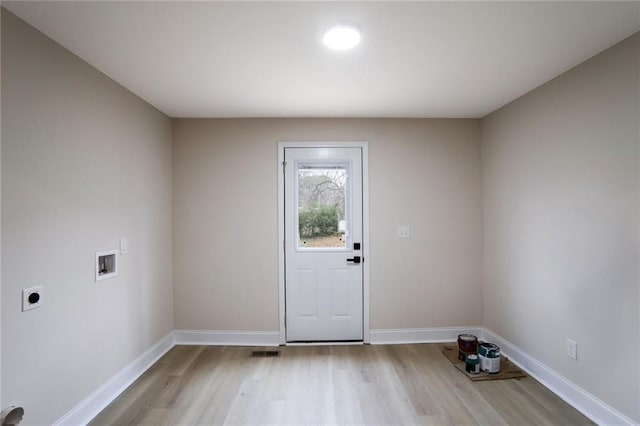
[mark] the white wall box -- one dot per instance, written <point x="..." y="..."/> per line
<point x="106" y="264"/>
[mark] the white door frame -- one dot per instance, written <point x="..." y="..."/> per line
<point x="365" y="229"/>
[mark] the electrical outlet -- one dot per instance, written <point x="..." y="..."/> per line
<point x="572" y="349"/>
<point x="32" y="298"/>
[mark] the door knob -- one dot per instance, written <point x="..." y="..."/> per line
<point x="354" y="259"/>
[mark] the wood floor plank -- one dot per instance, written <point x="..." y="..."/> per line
<point x="326" y="385"/>
<point x="202" y="384"/>
<point x="463" y="388"/>
<point x="438" y="379"/>
<point x="481" y="412"/>
<point x="423" y="401"/>
<point x="134" y="399"/>
<point x="511" y="404"/>
<point x="553" y="403"/>
<point x="387" y="387"/>
<point x="345" y="377"/>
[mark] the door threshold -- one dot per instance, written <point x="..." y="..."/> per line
<point x="327" y="343"/>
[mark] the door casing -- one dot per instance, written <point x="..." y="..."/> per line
<point x="365" y="229"/>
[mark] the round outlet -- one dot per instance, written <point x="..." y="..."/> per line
<point x="34" y="298"/>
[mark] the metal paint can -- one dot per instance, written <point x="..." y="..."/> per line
<point x="467" y="344"/>
<point x="472" y="364"/>
<point x="489" y="358"/>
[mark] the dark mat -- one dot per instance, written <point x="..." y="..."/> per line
<point x="507" y="369"/>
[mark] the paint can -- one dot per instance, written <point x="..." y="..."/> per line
<point x="467" y="344"/>
<point x="472" y="364"/>
<point x="489" y="358"/>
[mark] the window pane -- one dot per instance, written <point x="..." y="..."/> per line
<point x="321" y="207"/>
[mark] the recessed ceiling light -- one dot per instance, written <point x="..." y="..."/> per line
<point x="341" y="37"/>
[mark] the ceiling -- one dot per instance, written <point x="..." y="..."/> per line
<point x="265" y="59"/>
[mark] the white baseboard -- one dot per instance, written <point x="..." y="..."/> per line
<point x="420" y="335"/>
<point x="589" y="405"/>
<point x="86" y="410"/>
<point x="229" y="338"/>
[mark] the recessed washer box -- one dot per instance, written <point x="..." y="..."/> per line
<point x="106" y="265"/>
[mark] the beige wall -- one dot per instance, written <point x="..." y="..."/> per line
<point x="561" y="219"/>
<point x="84" y="162"/>
<point x="424" y="173"/>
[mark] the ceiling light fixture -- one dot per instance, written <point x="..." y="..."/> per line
<point x="341" y="37"/>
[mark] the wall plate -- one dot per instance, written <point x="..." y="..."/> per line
<point x="404" y="232"/>
<point x="32" y="298"/>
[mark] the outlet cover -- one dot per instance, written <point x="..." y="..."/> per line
<point x="32" y="298"/>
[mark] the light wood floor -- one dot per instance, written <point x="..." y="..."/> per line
<point x="365" y="385"/>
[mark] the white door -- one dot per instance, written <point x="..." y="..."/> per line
<point x="323" y="237"/>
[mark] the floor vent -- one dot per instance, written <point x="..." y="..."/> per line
<point x="265" y="354"/>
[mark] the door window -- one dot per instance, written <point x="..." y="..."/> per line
<point x="322" y="207"/>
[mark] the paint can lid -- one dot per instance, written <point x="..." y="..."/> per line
<point x="467" y="337"/>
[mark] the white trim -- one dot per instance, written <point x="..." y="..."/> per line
<point x="86" y="410"/>
<point x="227" y="338"/>
<point x="366" y="246"/>
<point x="281" y="267"/>
<point x="594" y="408"/>
<point x="366" y="337"/>
<point x="420" y="335"/>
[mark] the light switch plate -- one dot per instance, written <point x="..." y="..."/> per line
<point x="123" y="246"/>
<point x="404" y="231"/>
<point x="572" y="349"/>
